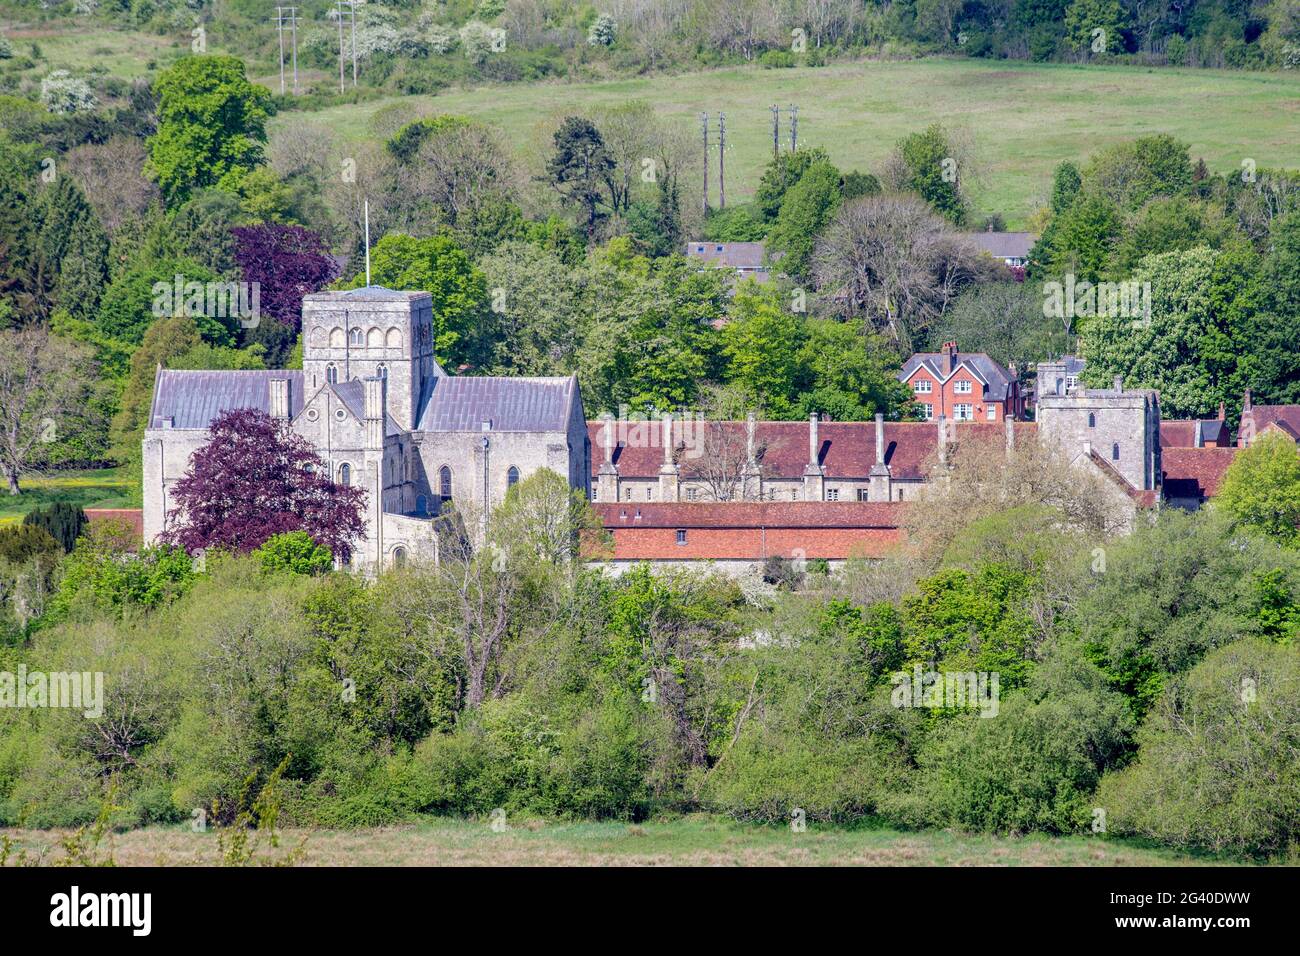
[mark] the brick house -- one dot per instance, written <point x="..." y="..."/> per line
<point x="1256" y="419"/>
<point x="962" y="386"/>
<point x="1197" y="432"/>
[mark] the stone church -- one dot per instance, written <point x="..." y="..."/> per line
<point x="383" y="415"/>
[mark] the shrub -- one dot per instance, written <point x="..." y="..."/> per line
<point x="294" y="552"/>
<point x="1216" y="767"/>
<point x="63" y="521"/>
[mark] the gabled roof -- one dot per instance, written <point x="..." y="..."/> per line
<point x="1265" y="415"/>
<point x="993" y="376"/>
<point x="192" y="399"/>
<point x="1194" y="472"/>
<point x="1003" y="245"/>
<point x="353" y="396"/>
<point x="462" y="404"/>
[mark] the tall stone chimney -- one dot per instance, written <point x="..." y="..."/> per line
<point x="949" y="357"/>
<point x="668" y="474"/>
<point x="607" y="475"/>
<point x="1198" y="437"/>
<point x="813" y="474"/>
<point x="942" y="440"/>
<point x="1010" y="425"/>
<point x="881" y="477"/>
<point x="752" y="483"/>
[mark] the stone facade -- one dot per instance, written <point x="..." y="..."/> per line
<point x="382" y="414"/>
<point x="1122" y="427"/>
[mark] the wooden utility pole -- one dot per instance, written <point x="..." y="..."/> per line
<point x="776" y="129"/>
<point x="794" y="128"/>
<point x="704" y="125"/>
<point x="293" y="32"/>
<point x="339" y="10"/>
<point x="279" y="29"/>
<point x="722" y="160"/>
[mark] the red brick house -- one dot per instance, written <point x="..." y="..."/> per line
<point x="1197" y="432"/>
<point x="1256" y="419"/>
<point x="963" y="386"/>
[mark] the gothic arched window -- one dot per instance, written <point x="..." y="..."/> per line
<point x="399" y="557"/>
<point x="356" y="337"/>
<point x="331" y="373"/>
<point x="512" y="477"/>
<point x="382" y="371"/>
<point x="345" y="474"/>
<point x="1114" y="451"/>
<point x="444" y="483"/>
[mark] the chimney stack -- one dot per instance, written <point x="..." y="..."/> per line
<point x="880" y="438"/>
<point x="950" y="357"/>
<point x="1119" y="385"/>
<point x="750" y="444"/>
<point x="1010" y="425"/>
<point x="610" y="438"/>
<point x="1245" y="401"/>
<point x="1223" y="411"/>
<point x="943" y="439"/>
<point x="1198" y="439"/>
<point x="814" y="442"/>
<point x="668" y="440"/>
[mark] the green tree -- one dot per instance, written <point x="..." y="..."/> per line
<point x="1189" y="349"/>
<point x="930" y="169"/>
<point x="294" y="552"/>
<point x="806" y="208"/>
<point x="1084" y="18"/>
<point x="1261" y="488"/>
<point x="781" y="173"/>
<point x="761" y="344"/>
<point x="1083" y="237"/>
<point x="848" y="374"/>
<point x="211" y="126"/>
<point x="581" y="169"/>
<point x="71" y="249"/>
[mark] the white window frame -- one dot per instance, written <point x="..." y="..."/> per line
<point x="929" y="411"/>
<point x="962" y="387"/>
<point x="923" y="386"/>
<point x="991" y="412"/>
<point x="832" y="494"/>
<point x="963" y="412"/>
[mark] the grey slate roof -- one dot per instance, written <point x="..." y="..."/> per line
<point x="511" y="404"/>
<point x="194" y="399"/>
<point x="994" y="376"/>
<point x="737" y="255"/>
<point x="1004" y="245"/>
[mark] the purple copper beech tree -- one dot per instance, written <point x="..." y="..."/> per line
<point x="255" y="478"/>
<point x="287" y="262"/>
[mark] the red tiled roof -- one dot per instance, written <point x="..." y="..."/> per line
<point x="1265" y="415"/>
<point x="1194" y="472"/>
<point x="848" y="449"/>
<point x="1182" y="433"/>
<point x="750" y="530"/>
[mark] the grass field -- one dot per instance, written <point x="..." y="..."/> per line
<point x="1023" y="119"/>
<point x="105" y="488"/>
<point x="698" y="841"/>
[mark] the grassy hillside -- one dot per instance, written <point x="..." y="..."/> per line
<point x="105" y="488"/>
<point x="695" y="841"/>
<point x="1022" y="118"/>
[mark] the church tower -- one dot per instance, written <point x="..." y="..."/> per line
<point x="371" y="333"/>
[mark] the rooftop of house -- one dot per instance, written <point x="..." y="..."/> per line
<point x="943" y="364"/>
<point x="737" y="255"/>
<point x="1194" y="472"/>
<point x="1181" y="433"/>
<point x="1004" y="245"/>
<point x="846" y="449"/>
<point x="192" y="399"/>
<point x="1284" y="415"/>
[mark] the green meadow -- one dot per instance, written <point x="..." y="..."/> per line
<point x="1021" y="119"/>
